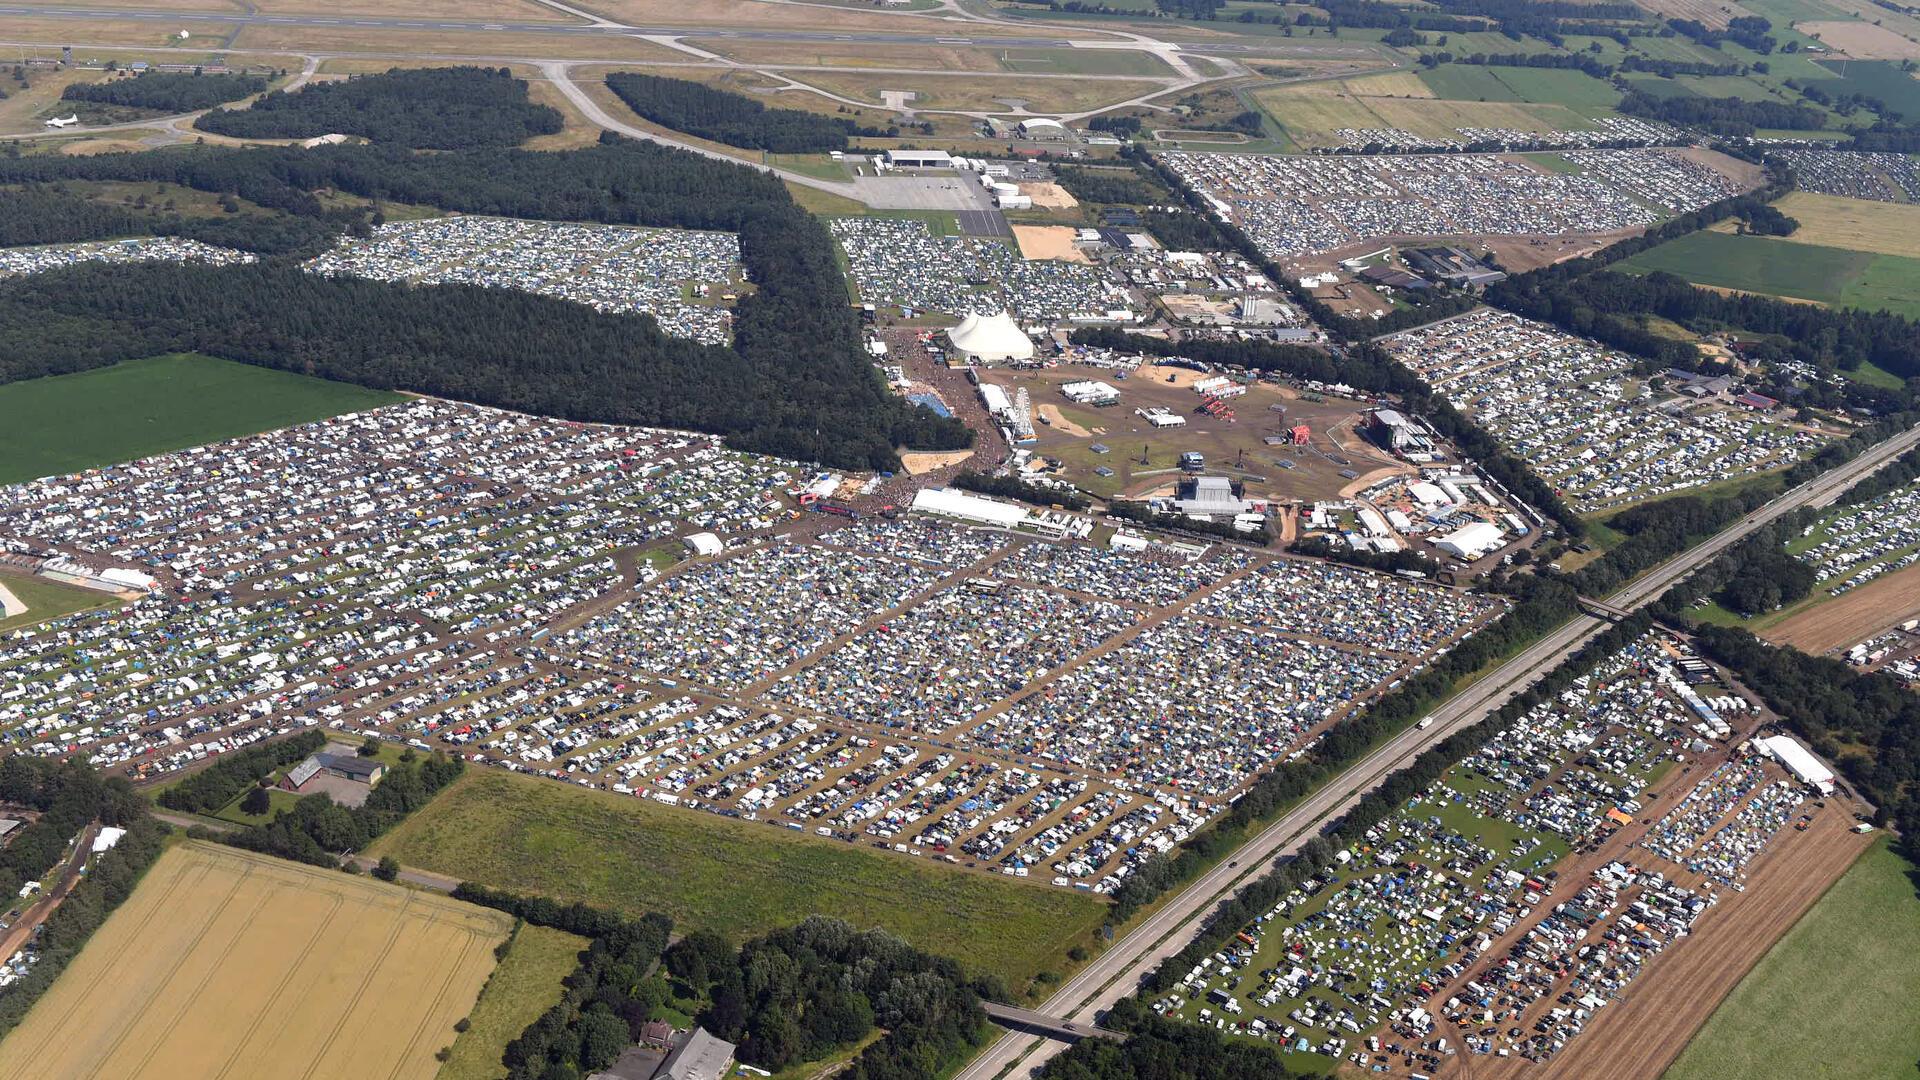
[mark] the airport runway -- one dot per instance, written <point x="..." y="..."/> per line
<point x="815" y="37"/>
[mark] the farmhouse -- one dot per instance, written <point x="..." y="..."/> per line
<point x="699" y="1056"/>
<point x="349" y="767"/>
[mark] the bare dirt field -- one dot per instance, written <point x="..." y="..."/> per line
<point x="1862" y="41"/>
<point x="1048" y="242"/>
<point x="1052" y="415"/>
<point x="226" y="963"/>
<point x="1636" y="1039"/>
<point x="917" y="463"/>
<point x="1854" y="617"/>
<point x="1051" y="196"/>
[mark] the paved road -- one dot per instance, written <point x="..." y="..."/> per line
<point x="1118" y="972"/>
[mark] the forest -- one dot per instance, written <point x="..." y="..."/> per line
<point x="165" y="91"/>
<point x="802" y="993"/>
<point x="456" y="108"/>
<point x="45" y="214"/>
<point x="1108" y="185"/>
<point x="1162" y="1049"/>
<point x="794" y="383"/>
<point x="1722" y="115"/>
<point x="734" y="119"/>
<point x="69" y="795"/>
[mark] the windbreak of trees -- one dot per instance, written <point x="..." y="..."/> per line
<point x="1108" y="185"/>
<point x="607" y="998"/>
<point x="318" y="830"/>
<point x="43" y="214"/>
<point x="1541" y="605"/>
<point x="799" y="994"/>
<point x="794" y="383"/>
<point x="735" y="119"/>
<point x="167" y="91"/>
<point x="1317" y="853"/>
<point x="1157" y="1047"/>
<point x="1012" y="487"/>
<point x="1723" y="115"/>
<point x="456" y="108"/>
<point x="231" y="774"/>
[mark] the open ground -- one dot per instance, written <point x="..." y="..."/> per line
<point x="228" y="963"/>
<point x="1854" y="616"/>
<point x="70" y="422"/>
<point x="736" y="878"/>
<point x="1833" y="1000"/>
<point x="524" y="985"/>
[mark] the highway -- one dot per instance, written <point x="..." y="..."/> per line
<point x="1117" y="973"/>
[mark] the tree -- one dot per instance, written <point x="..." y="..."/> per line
<point x="603" y="1036"/>
<point x="257" y="802"/>
<point x="370" y="747"/>
<point x="387" y="869"/>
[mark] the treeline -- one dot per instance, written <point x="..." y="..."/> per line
<point x="1163" y="1049"/>
<point x="43" y="214"/>
<point x="1387" y="562"/>
<point x="167" y="91"/>
<point x="1317" y="853"/>
<point x="318" y="830"/>
<point x="804" y="390"/>
<point x="1865" y="722"/>
<point x="110" y="880"/>
<point x="1012" y="487"/>
<point x="232" y="774"/>
<point x="1141" y="513"/>
<point x="1563" y="61"/>
<point x="67" y="795"/>
<point x="1185" y="230"/>
<point x="1370" y="369"/>
<point x="1657" y="531"/>
<point x="1722" y="115"/>
<point x="454" y="108"/>
<point x="1108" y="185"/>
<point x="607" y="998"/>
<point x="802" y="993"/>
<point x="735" y="119"/>
<point x="1540" y="605"/>
<point x="1611" y="307"/>
<point x="1750" y="32"/>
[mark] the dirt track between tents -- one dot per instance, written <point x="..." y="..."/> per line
<point x="1639" y="1037"/>
<point x="1857" y="616"/>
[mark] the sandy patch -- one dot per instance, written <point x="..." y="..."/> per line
<point x="927" y="461"/>
<point x="1368" y="479"/>
<point x="1048" y="242"/>
<point x="1860" y="40"/>
<point x="1175" y="376"/>
<point x="1855" y="617"/>
<point x="1050" y="195"/>
<point x="1052" y="415"/>
<point x="10" y="604"/>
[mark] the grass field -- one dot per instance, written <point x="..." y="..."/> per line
<point x="1825" y="275"/>
<point x="1854" y="224"/>
<point x="1834" y="999"/>
<point x="227" y="963"/>
<point x="70" y="422"/>
<point x="524" y="985"/>
<point x="737" y="878"/>
<point x="46" y="599"/>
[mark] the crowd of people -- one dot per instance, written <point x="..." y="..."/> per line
<point x="1572" y="409"/>
<point x="607" y="267"/>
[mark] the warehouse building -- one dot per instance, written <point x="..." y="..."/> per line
<point x="1469" y="542"/>
<point x="1799" y="761"/>
<point x="919" y="159"/>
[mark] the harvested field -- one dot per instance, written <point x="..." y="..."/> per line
<point x="1834" y="999"/>
<point x="1854" y="224"/>
<point x="227" y="963"/>
<point x="1713" y="14"/>
<point x="1853" y="617"/>
<point x="1048" y="242"/>
<point x="1636" y="1039"/>
<point x="1860" y="40"/>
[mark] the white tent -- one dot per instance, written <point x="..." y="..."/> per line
<point x="989" y="338"/>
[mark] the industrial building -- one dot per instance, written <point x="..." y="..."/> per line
<point x="1090" y="392"/>
<point x="703" y="544"/>
<point x="1469" y="542"/>
<point x="990" y="339"/>
<point x="919" y="159"/>
<point x="1799" y="761"/>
